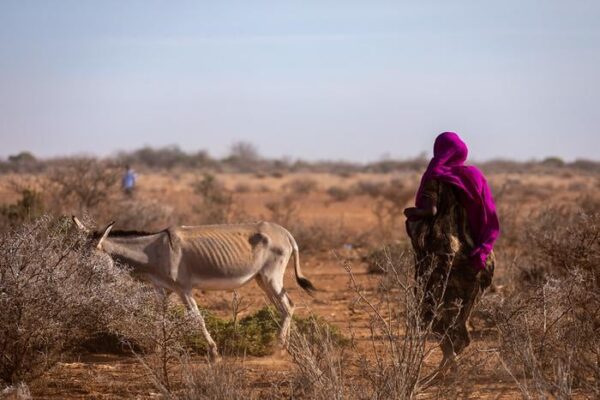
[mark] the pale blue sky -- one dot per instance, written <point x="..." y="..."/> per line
<point x="312" y="79"/>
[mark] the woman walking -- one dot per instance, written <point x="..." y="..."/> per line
<point x="453" y="227"/>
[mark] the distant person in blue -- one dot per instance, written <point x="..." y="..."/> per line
<point x="128" y="182"/>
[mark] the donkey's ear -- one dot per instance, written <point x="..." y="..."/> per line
<point x="105" y="235"/>
<point x="79" y="225"/>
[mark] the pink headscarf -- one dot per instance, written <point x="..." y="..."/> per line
<point x="447" y="165"/>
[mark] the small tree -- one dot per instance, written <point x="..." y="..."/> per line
<point x="244" y="156"/>
<point x="85" y="182"/>
<point x="244" y="151"/>
<point x="22" y="157"/>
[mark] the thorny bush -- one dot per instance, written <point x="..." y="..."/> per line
<point x="319" y="360"/>
<point x="549" y="322"/>
<point x="400" y="346"/>
<point x="549" y="337"/>
<point x="54" y="293"/>
<point x="84" y="184"/>
<point x="560" y="242"/>
<point x="400" y="352"/>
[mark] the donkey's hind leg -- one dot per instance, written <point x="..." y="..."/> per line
<point x="278" y="296"/>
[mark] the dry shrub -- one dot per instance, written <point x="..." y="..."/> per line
<point x="509" y="248"/>
<point x="343" y="173"/>
<point x="242" y="188"/>
<point x="549" y="322"/>
<point x="142" y="215"/>
<point x="222" y="381"/>
<point x="320" y="362"/>
<point x="589" y="204"/>
<point x="532" y="192"/>
<point x="559" y="242"/>
<point x="325" y="236"/>
<point x="311" y="237"/>
<point x="16" y="392"/>
<point x="390" y="199"/>
<point x="301" y="186"/>
<point x="54" y="294"/>
<point x="389" y="206"/>
<point x="387" y="257"/>
<point x="283" y="211"/>
<point x="401" y="344"/>
<point x="369" y="188"/>
<point x="263" y="188"/>
<point x="29" y="207"/>
<point x="83" y="184"/>
<point x="228" y="379"/>
<point x="549" y="338"/>
<point x="217" y="201"/>
<point x="58" y="295"/>
<point x="338" y="193"/>
<point x="157" y="332"/>
<point x="511" y="225"/>
<point x="169" y="337"/>
<point x="512" y="190"/>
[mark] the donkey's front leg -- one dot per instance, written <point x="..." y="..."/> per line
<point x="190" y="304"/>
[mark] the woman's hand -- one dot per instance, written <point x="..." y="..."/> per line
<point x="410" y="212"/>
<point x="418" y="213"/>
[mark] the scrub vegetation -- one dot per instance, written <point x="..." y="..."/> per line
<point x="73" y="324"/>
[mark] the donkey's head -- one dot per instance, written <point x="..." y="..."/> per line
<point x="95" y="238"/>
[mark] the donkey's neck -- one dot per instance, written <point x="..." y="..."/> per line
<point x="135" y="251"/>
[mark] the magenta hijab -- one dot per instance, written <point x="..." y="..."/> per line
<point x="447" y="165"/>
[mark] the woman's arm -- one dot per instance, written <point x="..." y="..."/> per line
<point x="417" y="213"/>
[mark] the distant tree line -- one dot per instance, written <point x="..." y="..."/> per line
<point x="244" y="157"/>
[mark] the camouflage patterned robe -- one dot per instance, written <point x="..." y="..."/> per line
<point x="442" y="244"/>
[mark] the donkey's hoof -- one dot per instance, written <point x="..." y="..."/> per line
<point x="213" y="355"/>
<point x="281" y="350"/>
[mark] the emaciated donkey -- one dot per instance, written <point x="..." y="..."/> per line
<point x="211" y="257"/>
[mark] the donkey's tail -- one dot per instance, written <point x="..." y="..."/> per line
<point x="302" y="281"/>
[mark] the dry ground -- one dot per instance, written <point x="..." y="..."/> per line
<point x="99" y="376"/>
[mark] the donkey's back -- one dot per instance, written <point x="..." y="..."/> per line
<point x="227" y="256"/>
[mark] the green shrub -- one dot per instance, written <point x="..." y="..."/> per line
<point x="255" y="334"/>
